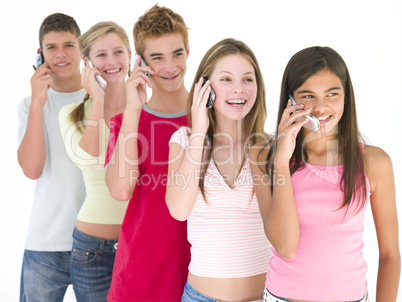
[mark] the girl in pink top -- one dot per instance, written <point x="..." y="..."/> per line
<point x="319" y="182"/>
<point x="210" y="182"/>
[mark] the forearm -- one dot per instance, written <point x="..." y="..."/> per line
<point x="388" y="278"/>
<point x="282" y="221"/>
<point x="122" y="171"/>
<point x="32" y="152"/>
<point x="183" y="184"/>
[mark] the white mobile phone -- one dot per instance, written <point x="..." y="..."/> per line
<point x="313" y="123"/>
<point x="101" y="81"/>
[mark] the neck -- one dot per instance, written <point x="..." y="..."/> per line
<point x="72" y="84"/>
<point x="229" y="132"/>
<point x="115" y="95"/>
<point x="169" y="102"/>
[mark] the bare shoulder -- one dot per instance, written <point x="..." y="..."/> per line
<point x="378" y="166"/>
<point x="375" y="156"/>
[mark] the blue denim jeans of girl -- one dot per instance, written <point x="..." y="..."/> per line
<point x="190" y="294"/>
<point x="91" y="266"/>
<point x="45" y="276"/>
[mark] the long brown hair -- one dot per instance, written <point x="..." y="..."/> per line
<point x="86" y="41"/>
<point x="302" y="66"/>
<point x="254" y="120"/>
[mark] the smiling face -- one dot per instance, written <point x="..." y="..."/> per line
<point x="62" y="52"/>
<point x="110" y="55"/>
<point x="233" y="80"/>
<point x="324" y="95"/>
<point x="167" y="56"/>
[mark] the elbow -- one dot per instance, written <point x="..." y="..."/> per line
<point x="176" y="211"/>
<point x="32" y="173"/>
<point x="122" y="195"/>
<point x="286" y="246"/>
<point x="287" y="252"/>
<point x="178" y="215"/>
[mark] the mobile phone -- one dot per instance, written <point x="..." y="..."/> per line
<point x="39" y="59"/>
<point x="142" y="63"/>
<point x="101" y="81"/>
<point x="212" y="95"/>
<point x="313" y="123"/>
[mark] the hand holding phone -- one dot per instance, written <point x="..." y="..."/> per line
<point x="101" y="81"/>
<point x="142" y="63"/>
<point x="313" y="123"/>
<point x="212" y="95"/>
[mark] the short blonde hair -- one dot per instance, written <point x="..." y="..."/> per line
<point x="156" y="22"/>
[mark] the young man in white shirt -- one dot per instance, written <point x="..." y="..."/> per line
<point x="59" y="190"/>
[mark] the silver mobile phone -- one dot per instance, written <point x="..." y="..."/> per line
<point x="313" y="124"/>
<point x="101" y="81"/>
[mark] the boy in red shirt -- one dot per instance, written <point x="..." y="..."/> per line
<point x="153" y="252"/>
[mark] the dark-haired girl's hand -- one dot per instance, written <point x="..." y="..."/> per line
<point x="287" y="131"/>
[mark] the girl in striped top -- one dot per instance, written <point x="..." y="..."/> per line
<point x="210" y="183"/>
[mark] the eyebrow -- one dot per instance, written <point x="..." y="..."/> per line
<point x="328" y="90"/>
<point x="102" y="50"/>
<point x="246" y="73"/>
<point x="156" y="54"/>
<point x="68" y="42"/>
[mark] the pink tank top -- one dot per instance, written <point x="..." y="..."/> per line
<point x="329" y="263"/>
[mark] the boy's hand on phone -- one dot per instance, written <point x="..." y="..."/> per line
<point x="136" y="86"/>
<point x="40" y="84"/>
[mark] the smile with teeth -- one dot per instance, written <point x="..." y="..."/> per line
<point x="236" y="102"/>
<point x="113" y="70"/>
<point x="61" y="64"/>
<point x="323" y="118"/>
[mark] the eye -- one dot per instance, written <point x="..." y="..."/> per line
<point x="51" y="47"/>
<point x="333" y="94"/>
<point x="119" y="52"/>
<point x="179" y="54"/>
<point x="225" y="79"/>
<point x="308" y="96"/>
<point x="70" y="45"/>
<point x="156" y="58"/>
<point x="249" y="80"/>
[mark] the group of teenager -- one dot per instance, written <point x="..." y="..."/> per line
<point x="169" y="198"/>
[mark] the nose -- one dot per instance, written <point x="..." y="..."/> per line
<point x="61" y="53"/>
<point x="169" y="65"/>
<point x="238" y="87"/>
<point x="319" y="103"/>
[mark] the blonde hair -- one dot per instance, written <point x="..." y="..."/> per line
<point x="255" y="119"/>
<point x="156" y="22"/>
<point x="86" y="41"/>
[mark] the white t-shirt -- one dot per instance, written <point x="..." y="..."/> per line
<point x="60" y="190"/>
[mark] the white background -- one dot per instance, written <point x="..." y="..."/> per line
<point x="367" y="34"/>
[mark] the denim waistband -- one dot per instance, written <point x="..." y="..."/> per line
<point x="101" y="245"/>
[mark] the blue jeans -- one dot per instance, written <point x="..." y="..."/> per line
<point x="190" y="294"/>
<point x="91" y="267"/>
<point x="45" y="276"/>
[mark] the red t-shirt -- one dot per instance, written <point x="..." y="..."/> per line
<point x="153" y="254"/>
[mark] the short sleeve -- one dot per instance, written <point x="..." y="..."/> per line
<point x="114" y="125"/>
<point x="181" y="137"/>
<point x="23" y="112"/>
